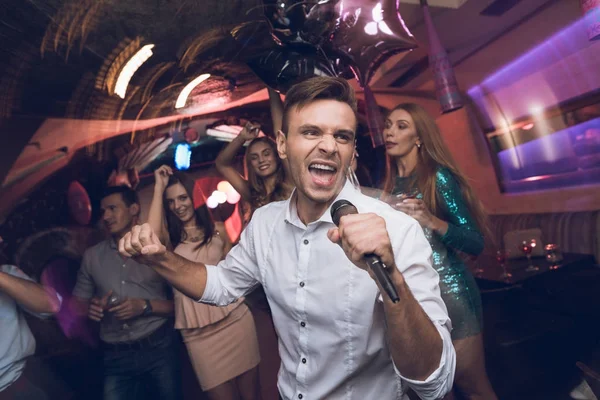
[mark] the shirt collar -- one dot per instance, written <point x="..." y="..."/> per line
<point x="112" y="243"/>
<point x="348" y="192"/>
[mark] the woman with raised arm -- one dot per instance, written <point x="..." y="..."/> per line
<point x="266" y="179"/>
<point x="221" y="341"/>
<point x="423" y="181"/>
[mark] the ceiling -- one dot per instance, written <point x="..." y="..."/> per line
<point x="55" y="54"/>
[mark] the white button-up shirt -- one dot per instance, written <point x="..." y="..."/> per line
<point x="327" y="313"/>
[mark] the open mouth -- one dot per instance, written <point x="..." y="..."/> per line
<point x="322" y="174"/>
<point x="263" y="167"/>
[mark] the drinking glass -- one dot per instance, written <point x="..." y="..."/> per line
<point x="553" y="255"/>
<point x="526" y="248"/>
<point x="501" y="256"/>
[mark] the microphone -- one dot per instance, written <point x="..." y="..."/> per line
<point x="344" y="207"/>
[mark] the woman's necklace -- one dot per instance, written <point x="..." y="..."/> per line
<point x="194" y="237"/>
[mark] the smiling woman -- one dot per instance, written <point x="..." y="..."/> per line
<point x="221" y="341"/>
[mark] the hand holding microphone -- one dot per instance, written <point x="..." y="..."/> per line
<point x="365" y="241"/>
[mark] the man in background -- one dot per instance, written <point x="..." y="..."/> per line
<point x="141" y="360"/>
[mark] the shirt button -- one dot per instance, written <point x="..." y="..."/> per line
<point x="302" y="324"/>
<point x="122" y="282"/>
<point x="300" y="396"/>
<point x="304" y="361"/>
<point x="305" y="241"/>
<point x="301" y="284"/>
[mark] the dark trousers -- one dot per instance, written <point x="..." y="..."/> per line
<point x="38" y="381"/>
<point x="150" y="372"/>
<point x="23" y="389"/>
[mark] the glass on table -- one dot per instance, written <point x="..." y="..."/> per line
<point x="526" y="248"/>
<point x="409" y="194"/>
<point x="501" y="257"/>
<point x="553" y="255"/>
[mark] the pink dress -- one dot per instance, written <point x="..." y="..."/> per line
<point x="221" y="341"/>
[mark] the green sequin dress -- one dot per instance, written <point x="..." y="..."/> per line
<point x="458" y="287"/>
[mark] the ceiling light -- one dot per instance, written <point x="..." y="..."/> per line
<point x="183" y="96"/>
<point x="528" y="126"/>
<point x="130" y="68"/>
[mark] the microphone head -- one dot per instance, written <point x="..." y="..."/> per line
<point x="341" y="208"/>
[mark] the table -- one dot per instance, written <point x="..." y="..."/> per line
<point x="492" y="270"/>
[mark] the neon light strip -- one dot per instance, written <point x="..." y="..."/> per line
<point x="130" y="68"/>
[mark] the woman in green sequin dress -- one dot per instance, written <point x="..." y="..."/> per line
<point x="423" y="181"/>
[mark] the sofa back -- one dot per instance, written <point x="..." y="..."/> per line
<point x="573" y="232"/>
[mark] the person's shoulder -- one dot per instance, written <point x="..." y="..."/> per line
<point x="96" y="250"/>
<point x="270" y="209"/>
<point x="269" y="214"/>
<point x="13" y="270"/>
<point x="444" y="176"/>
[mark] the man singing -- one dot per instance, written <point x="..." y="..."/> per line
<point x="338" y="337"/>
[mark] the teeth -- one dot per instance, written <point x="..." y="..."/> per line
<point x="323" y="167"/>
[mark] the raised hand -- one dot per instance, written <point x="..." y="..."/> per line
<point x="97" y="306"/>
<point x="250" y="131"/>
<point x="161" y="177"/>
<point x="360" y="234"/>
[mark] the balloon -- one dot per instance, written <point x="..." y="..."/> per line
<point x="285" y="18"/>
<point x="281" y="68"/>
<point x="281" y="64"/>
<point x="79" y="203"/>
<point x="366" y="32"/>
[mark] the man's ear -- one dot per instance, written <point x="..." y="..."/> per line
<point x="281" y="145"/>
<point x="134" y="210"/>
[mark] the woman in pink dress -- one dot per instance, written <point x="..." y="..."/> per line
<point x="221" y="341"/>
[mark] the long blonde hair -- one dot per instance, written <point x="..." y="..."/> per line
<point x="258" y="190"/>
<point x="433" y="155"/>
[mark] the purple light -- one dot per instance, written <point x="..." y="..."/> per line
<point x="564" y="66"/>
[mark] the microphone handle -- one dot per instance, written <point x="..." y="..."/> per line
<point x="382" y="276"/>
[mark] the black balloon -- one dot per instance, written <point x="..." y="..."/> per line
<point x="286" y="18"/>
<point x="365" y="32"/>
<point x="280" y="68"/>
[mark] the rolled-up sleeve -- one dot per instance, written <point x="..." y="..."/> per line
<point x="236" y="275"/>
<point x="413" y="257"/>
<point x="439" y="383"/>
<point x="17" y="272"/>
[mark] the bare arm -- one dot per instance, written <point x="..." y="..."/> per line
<point x="156" y="217"/>
<point x="276" y="110"/>
<point x="415" y="344"/>
<point x="225" y="160"/>
<point x="227" y="245"/>
<point x="184" y="275"/>
<point x="30" y="295"/>
<point x="232" y="279"/>
<point x="134" y="307"/>
<point x="163" y="308"/>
